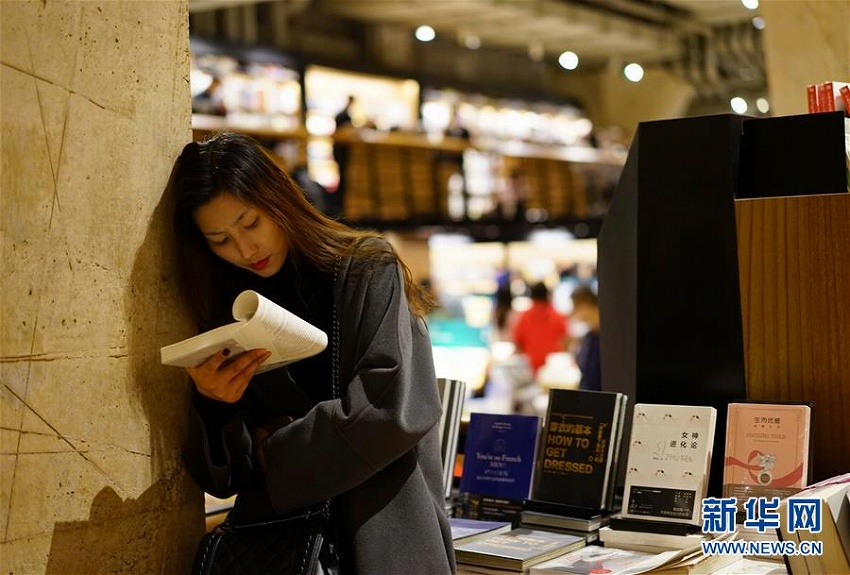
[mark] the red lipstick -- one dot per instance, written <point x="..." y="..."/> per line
<point x="260" y="264"/>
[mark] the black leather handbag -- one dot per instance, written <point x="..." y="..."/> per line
<point x="287" y="545"/>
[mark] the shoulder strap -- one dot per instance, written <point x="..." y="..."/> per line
<point x="335" y="337"/>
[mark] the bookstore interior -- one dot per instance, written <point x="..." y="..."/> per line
<point x="672" y="465"/>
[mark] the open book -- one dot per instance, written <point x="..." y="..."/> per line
<point x="260" y="323"/>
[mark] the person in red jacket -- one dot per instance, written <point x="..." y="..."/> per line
<point x="540" y="330"/>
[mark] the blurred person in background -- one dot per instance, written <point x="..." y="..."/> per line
<point x="504" y="317"/>
<point x="211" y="100"/>
<point x="343" y="121"/>
<point x="540" y="330"/>
<point x="586" y="311"/>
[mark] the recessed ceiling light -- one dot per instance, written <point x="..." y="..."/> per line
<point x="425" y="33"/>
<point x="568" y="60"/>
<point x="633" y="72"/>
<point x="739" y="105"/>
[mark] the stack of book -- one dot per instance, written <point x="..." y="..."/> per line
<point x="576" y="468"/>
<point x="666" y="481"/>
<point x="515" y="551"/>
<point x="828" y="96"/>
<point x="468" y="530"/>
<point x="649" y="537"/>
<point x="563" y="519"/>
<point x="832" y="497"/>
<point x="594" y="559"/>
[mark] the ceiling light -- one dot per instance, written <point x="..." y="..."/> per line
<point x="568" y="60"/>
<point x="763" y="105"/>
<point x="633" y="72"/>
<point x="750" y="4"/>
<point x="758" y="23"/>
<point x="739" y="105"/>
<point x="425" y="34"/>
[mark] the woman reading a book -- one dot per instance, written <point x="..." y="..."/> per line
<point x="283" y="440"/>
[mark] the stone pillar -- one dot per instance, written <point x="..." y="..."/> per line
<point x="805" y="42"/>
<point x="95" y="106"/>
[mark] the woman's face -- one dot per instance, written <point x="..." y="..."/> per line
<point x="242" y="234"/>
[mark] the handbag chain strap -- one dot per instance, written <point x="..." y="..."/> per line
<point x="335" y="343"/>
<point x="335" y="359"/>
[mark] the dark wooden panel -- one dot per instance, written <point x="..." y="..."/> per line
<point x="794" y="268"/>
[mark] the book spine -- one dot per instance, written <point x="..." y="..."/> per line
<point x="812" y="97"/>
<point x="845" y="97"/>
<point x="828" y="98"/>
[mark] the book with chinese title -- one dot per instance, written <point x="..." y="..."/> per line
<point x="576" y="461"/>
<point x="499" y="455"/>
<point x="668" y="462"/>
<point x="767" y="450"/>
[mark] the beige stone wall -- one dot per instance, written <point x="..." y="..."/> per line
<point x="805" y="42"/>
<point x="94" y="100"/>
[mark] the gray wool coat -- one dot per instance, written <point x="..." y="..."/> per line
<point x="375" y="450"/>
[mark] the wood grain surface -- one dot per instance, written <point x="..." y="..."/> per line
<point x="794" y="268"/>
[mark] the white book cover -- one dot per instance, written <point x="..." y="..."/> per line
<point x="668" y="462"/>
<point x="260" y="323"/>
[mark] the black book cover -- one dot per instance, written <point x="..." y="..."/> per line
<point x="585" y="513"/>
<point x="619" y="523"/>
<point x="574" y="460"/>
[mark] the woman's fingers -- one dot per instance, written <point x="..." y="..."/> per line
<point x="224" y="378"/>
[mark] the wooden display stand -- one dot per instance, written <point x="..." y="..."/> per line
<point x="794" y="270"/>
<point x="707" y="297"/>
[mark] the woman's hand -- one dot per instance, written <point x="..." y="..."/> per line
<point x="225" y="379"/>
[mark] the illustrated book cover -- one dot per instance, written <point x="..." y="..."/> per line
<point x="767" y="450"/>
<point x="668" y="462"/>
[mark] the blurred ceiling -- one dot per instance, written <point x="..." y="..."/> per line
<point x="594" y="29"/>
<point x="712" y="43"/>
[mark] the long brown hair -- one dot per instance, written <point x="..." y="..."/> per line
<point x="238" y="165"/>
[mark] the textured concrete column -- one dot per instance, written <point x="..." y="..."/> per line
<point x="805" y="42"/>
<point x="95" y="106"/>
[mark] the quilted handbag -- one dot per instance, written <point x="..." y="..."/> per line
<point x="284" y="546"/>
<point x="287" y="545"/>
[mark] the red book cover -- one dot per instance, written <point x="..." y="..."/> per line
<point x="767" y="450"/>
<point x="826" y="98"/>
<point x="845" y="96"/>
<point x="812" y="97"/>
